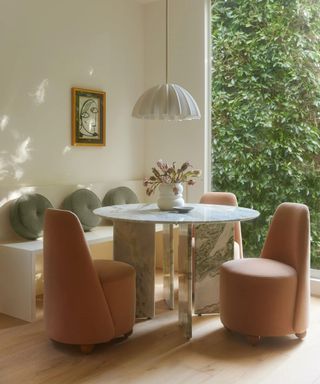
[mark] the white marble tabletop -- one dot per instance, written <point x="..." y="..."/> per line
<point x="200" y="213"/>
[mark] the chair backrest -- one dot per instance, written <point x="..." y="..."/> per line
<point x="225" y="198"/>
<point x="288" y="241"/>
<point x="74" y="301"/>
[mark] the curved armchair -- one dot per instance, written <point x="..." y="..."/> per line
<point x="226" y="198"/>
<point x="269" y="295"/>
<point x="85" y="302"/>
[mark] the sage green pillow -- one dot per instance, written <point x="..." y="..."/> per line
<point x="120" y="195"/>
<point x="27" y="215"/>
<point x="82" y="202"/>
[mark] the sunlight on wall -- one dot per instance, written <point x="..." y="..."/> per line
<point x="22" y="152"/>
<point x="10" y="164"/>
<point x="66" y="149"/>
<point x="88" y="186"/>
<point x="4" y="121"/>
<point x="3" y="171"/>
<point x="16" y="194"/>
<point x="18" y="173"/>
<point x="39" y="95"/>
<point x="91" y="71"/>
<point x="21" y="156"/>
<point x="13" y="164"/>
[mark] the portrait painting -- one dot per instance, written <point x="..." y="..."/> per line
<point x="88" y="117"/>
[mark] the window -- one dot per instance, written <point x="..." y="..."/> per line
<point x="266" y="109"/>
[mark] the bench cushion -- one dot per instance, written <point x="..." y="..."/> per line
<point x="27" y="215"/>
<point x="120" y="195"/>
<point x="82" y="202"/>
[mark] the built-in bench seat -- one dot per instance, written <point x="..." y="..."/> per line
<point x="21" y="260"/>
<point x="96" y="235"/>
<point x="21" y="271"/>
<point x="21" y="266"/>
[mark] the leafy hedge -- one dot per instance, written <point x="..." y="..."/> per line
<point x="266" y="108"/>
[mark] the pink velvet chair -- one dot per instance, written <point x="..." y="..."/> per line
<point x="226" y="198"/>
<point x="85" y="302"/>
<point x="269" y="295"/>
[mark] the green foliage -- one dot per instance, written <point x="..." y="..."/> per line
<point x="266" y="108"/>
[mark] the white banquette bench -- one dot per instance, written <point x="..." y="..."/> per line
<point x="21" y="260"/>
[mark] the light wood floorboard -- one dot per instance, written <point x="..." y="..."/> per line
<point x="158" y="353"/>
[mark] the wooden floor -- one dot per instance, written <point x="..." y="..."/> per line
<point x="158" y="353"/>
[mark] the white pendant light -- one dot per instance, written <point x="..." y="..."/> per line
<point x="166" y="101"/>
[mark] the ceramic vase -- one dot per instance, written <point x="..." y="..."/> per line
<point x="170" y="196"/>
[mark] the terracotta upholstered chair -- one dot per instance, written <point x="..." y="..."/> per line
<point x="226" y="198"/>
<point x="85" y="302"/>
<point x="269" y="295"/>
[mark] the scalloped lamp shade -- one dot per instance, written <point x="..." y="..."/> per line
<point x="166" y="102"/>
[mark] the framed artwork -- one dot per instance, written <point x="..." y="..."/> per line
<point x="88" y="117"/>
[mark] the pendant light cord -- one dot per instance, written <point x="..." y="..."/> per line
<point x="166" y="101"/>
<point x="167" y="39"/>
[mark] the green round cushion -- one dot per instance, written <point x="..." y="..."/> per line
<point x="27" y="215"/>
<point x="82" y="202"/>
<point x="120" y="195"/>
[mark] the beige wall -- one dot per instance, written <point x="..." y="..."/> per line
<point x="188" y="67"/>
<point x="48" y="46"/>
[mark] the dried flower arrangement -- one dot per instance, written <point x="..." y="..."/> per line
<point x="165" y="174"/>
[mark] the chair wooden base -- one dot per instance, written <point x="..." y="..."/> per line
<point x="126" y="335"/>
<point x="253" y="340"/>
<point x="86" y="348"/>
<point x="301" y="335"/>
<point x="122" y="338"/>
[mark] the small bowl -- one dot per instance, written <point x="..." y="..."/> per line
<point x="184" y="209"/>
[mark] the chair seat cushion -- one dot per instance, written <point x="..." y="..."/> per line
<point x="82" y="202"/>
<point x="120" y="195"/>
<point x="109" y="270"/>
<point x="118" y="281"/>
<point x="260" y="268"/>
<point x="257" y="296"/>
<point x="27" y="215"/>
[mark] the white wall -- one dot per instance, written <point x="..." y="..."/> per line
<point x="188" y="67"/>
<point x="48" y="46"/>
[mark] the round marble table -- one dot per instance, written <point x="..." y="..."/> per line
<point x="134" y="243"/>
<point x="200" y="213"/>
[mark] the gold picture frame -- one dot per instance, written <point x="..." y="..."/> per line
<point x="88" y="117"/>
